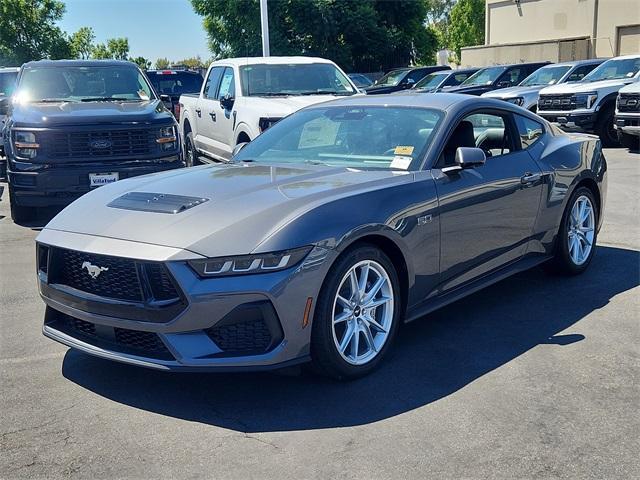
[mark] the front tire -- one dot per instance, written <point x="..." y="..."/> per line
<point x="357" y="314"/>
<point x="632" y="142"/>
<point x="604" y="127"/>
<point x="578" y="233"/>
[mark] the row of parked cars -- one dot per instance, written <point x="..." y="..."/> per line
<point x="74" y="125"/>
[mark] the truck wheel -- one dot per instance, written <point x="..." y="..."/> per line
<point x="632" y="142"/>
<point x="191" y="154"/>
<point x="19" y="214"/>
<point x="604" y="127"/>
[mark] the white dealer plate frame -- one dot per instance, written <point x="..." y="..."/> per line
<point x="100" y="179"/>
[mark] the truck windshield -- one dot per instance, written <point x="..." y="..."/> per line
<point x="7" y="83"/>
<point x="545" y="76"/>
<point x="614" y="68"/>
<point x="432" y="80"/>
<point x="364" y="137"/>
<point x="294" y="79"/>
<point x="391" y="79"/>
<point x="173" y="82"/>
<point x="486" y="76"/>
<point x="83" y="84"/>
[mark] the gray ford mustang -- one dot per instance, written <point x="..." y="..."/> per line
<point x="321" y="236"/>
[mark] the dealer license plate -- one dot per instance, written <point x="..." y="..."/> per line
<point x="99" y="179"/>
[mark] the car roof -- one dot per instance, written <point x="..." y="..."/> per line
<point x="79" y="63"/>
<point x="591" y="61"/>
<point x="240" y="61"/>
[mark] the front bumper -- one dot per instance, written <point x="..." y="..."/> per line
<point x="629" y="124"/>
<point x="46" y="185"/>
<point x="198" y="334"/>
<point x="571" y="122"/>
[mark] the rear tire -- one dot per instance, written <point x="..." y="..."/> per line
<point x="632" y="142"/>
<point x="190" y="152"/>
<point x="604" y="127"/>
<point x="19" y="214"/>
<point x="357" y="314"/>
<point x="578" y="233"/>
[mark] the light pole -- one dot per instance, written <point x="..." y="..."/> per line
<point x="264" y="23"/>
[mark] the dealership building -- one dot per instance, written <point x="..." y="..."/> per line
<point x="556" y="30"/>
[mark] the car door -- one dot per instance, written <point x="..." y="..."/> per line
<point x="205" y="125"/>
<point x="223" y="116"/>
<point x="487" y="213"/>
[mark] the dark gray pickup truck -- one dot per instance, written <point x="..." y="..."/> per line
<point x="74" y="125"/>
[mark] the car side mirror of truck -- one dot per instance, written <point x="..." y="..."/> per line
<point x="469" y="157"/>
<point x="165" y="98"/>
<point x="227" y="101"/>
<point x="504" y="84"/>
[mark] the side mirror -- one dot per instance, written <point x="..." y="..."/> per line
<point x="165" y="98"/>
<point x="469" y="157"/>
<point x="504" y="84"/>
<point x="227" y="101"/>
<point x="238" y="147"/>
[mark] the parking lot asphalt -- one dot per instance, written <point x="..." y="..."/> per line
<point x="534" y="377"/>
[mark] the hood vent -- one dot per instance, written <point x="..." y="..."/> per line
<point x="156" y="202"/>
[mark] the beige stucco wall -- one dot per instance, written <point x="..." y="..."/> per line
<point x="508" y="21"/>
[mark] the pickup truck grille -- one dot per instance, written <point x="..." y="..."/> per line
<point x="559" y="103"/>
<point x="100" y="143"/>
<point x="629" y="102"/>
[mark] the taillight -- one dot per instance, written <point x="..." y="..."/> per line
<point x="176" y="111"/>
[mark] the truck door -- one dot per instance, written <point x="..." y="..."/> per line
<point x="222" y="113"/>
<point x="205" y="124"/>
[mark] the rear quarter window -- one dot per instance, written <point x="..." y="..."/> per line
<point x="529" y="130"/>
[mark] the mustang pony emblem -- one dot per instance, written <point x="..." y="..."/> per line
<point x="93" y="270"/>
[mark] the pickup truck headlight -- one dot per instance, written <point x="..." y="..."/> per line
<point x="25" y="144"/>
<point x="168" y="138"/>
<point x="267" y="122"/>
<point x="587" y="99"/>
<point x="516" y="100"/>
<point x="249" y="264"/>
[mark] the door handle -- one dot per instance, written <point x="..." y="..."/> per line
<point x="213" y="116"/>
<point x="530" y="178"/>
<point x="199" y="112"/>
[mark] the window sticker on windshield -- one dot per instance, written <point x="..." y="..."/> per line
<point x="320" y="132"/>
<point x="403" y="150"/>
<point x="143" y="95"/>
<point x="401" y="162"/>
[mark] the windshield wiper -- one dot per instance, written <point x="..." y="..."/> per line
<point x="53" y="100"/>
<point x="269" y="94"/>
<point x="108" y="99"/>
<point x="323" y="92"/>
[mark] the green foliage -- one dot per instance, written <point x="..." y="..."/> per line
<point x="28" y="31"/>
<point x="101" y="52"/>
<point x="466" y="25"/>
<point x="193" y="62"/>
<point x="82" y="43"/>
<point x="119" y="48"/>
<point x="358" y="35"/>
<point x="142" y="62"/>
<point x="162" y="63"/>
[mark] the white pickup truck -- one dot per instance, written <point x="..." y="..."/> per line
<point x="242" y="97"/>
<point x="628" y="116"/>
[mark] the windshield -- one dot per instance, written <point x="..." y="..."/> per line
<point x="614" y="68"/>
<point x="175" y="83"/>
<point x="359" y="137"/>
<point x="486" y="76"/>
<point x="76" y="84"/>
<point x="7" y="83"/>
<point x="391" y="79"/>
<point x="545" y="76"/>
<point x="294" y="79"/>
<point x="432" y="80"/>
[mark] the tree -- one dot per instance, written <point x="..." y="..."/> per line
<point x="466" y="26"/>
<point x="28" y="31"/>
<point x="119" y="48"/>
<point x="82" y="43"/>
<point x="101" y="52"/>
<point x="142" y="62"/>
<point x="193" y="62"/>
<point x="363" y="36"/>
<point x="162" y="63"/>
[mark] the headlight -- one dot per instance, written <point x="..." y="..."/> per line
<point x="516" y="100"/>
<point x="267" y="122"/>
<point x="587" y="99"/>
<point x="249" y="264"/>
<point x="168" y="138"/>
<point x="25" y="144"/>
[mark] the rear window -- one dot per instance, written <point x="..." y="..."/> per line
<point x="7" y="83"/>
<point x="176" y="82"/>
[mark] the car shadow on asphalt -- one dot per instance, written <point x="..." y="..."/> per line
<point x="433" y="357"/>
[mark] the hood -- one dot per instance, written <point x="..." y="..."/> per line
<point x="382" y="89"/>
<point x="283" y="106"/>
<point x="581" y="87"/>
<point x="516" y="91"/>
<point x="471" y="89"/>
<point x="86" y="113"/>
<point x="631" y="88"/>
<point x="239" y="205"/>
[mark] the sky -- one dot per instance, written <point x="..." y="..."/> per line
<point x="155" y="28"/>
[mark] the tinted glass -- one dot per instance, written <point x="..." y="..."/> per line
<point x="83" y="84"/>
<point x="227" y="84"/>
<point x="579" y="73"/>
<point x="546" y="76"/>
<point x="213" y="80"/>
<point x="359" y="137"/>
<point x="7" y="83"/>
<point x="486" y="76"/>
<point x="529" y="130"/>
<point x="391" y="79"/>
<point x="294" y="79"/>
<point x="432" y="80"/>
<point x="490" y="133"/>
<point x="614" y="68"/>
<point x="416" y="75"/>
<point x="176" y="83"/>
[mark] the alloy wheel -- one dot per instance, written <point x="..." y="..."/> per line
<point x="363" y="312"/>
<point x="581" y="230"/>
